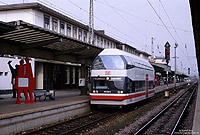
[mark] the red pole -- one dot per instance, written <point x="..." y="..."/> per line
<point x="156" y="81"/>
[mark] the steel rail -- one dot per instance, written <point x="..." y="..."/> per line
<point x="181" y="115"/>
<point x="88" y="124"/>
<point x="141" y="130"/>
<point x="49" y="128"/>
<point x="46" y="128"/>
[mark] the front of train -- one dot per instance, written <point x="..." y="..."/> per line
<point x="109" y="77"/>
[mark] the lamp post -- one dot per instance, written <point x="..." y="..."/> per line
<point x="176" y="45"/>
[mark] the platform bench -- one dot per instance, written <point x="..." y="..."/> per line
<point x="44" y="93"/>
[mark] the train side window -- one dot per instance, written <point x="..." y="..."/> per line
<point x="133" y="86"/>
<point x="151" y="84"/>
<point x="136" y="86"/>
<point x="129" y="62"/>
<point x="129" y="85"/>
<point x="141" y="85"/>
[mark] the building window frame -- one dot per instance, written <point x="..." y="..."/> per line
<point x="74" y="32"/>
<point x="102" y="42"/>
<point x="80" y="34"/>
<point x="69" y="30"/>
<point x="62" y="27"/>
<point x="85" y="36"/>
<point x="55" y="24"/>
<point x="105" y="43"/>
<point x="46" y="22"/>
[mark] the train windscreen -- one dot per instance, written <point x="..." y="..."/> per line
<point x="109" y="62"/>
<point x="108" y="84"/>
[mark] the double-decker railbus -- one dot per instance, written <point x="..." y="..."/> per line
<point x="120" y="78"/>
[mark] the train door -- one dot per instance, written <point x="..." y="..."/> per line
<point x="147" y="86"/>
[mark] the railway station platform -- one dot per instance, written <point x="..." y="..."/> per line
<point x="196" y="121"/>
<point x="15" y="118"/>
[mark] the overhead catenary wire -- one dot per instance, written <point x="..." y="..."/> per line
<point x="60" y="9"/>
<point x="109" y="25"/>
<point x="124" y="19"/>
<point x="175" y="31"/>
<point x="161" y="20"/>
<point x="140" y="18"/>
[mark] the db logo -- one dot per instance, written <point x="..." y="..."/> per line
<point x="107" y="72"/>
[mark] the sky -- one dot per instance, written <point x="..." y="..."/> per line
<point x="136" y="22"/>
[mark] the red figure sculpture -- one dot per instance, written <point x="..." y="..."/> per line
<point x="25" y="81"/>
<point x="32" y="82"/>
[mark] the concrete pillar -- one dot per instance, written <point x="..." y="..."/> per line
<point x="84" y="76"/>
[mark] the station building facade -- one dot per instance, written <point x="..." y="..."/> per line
<point x="55" y="74"/>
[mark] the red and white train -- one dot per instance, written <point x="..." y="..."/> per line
<point x="120" y="78"/>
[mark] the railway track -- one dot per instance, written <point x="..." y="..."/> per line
<point x="73" y="126"/>
<point x="167" y="121"/>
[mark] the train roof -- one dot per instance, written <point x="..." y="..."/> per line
<point x="120" y="52"/>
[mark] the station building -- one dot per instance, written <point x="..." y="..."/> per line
<point x="52" y="74"/>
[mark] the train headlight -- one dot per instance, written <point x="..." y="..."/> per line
<point x="120" y="92"/>
<point x="95" y="91"/>
<point x="107" y="78"/>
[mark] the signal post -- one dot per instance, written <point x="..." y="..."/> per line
<point x="167" y="57"/>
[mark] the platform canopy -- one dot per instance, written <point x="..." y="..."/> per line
<point x="21" y="38"/>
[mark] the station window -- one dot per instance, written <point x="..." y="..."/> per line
<point x="98" y="41"/>
<point x="102" y="42"/>
<point x="108" y="42"/>
<point x="73" y="75"/>
<point x="69" y="30"/>
<point x="46" y="22"/>
<point x="85" y="36"/>
<point x="114" y="45"/>
<point x="119" y="47"/>
<point x="55" y="25"/>
<point x="111" y="45"/>
<point x="62" y="27"/>
<point x="105" y="43"/>
<point x="79" y="34"/>
<point x="94" y="40"/>
<point x="67" y="72"/>
<point x="74" y="32"/>
<point x="6" y="73"/>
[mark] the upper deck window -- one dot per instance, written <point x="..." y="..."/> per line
<point x="74" y="32"/>
<point x="69" y="30"/>
<point x="46" y="21"/>
<point x="85" y="36"/>
<point x="62" y="27"/>
<point x="110" y="62"/>
<point x="55" y="25"/>
<point x="79" y="34"/>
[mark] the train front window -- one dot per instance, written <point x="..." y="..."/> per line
<point x="109" y="62"/>
<point x="111" y="84"/>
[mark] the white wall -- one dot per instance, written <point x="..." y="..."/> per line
<point x="39" y="75"/>
<point x="39" y="18"/>
<point x="5" y="80"/>
<point x="26" y="15"/>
